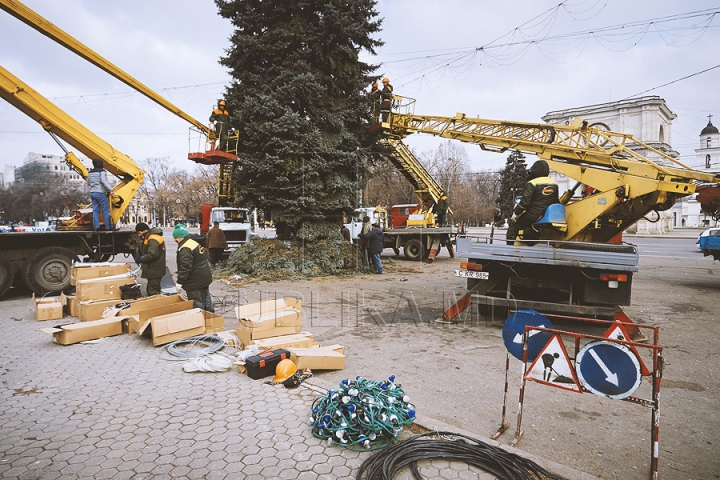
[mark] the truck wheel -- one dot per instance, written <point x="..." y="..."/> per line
<point x="6" y="274"/>
<point x="48" y="270"/>
<point x="413" y="249"/>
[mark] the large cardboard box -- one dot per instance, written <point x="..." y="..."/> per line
<point x="331" y="357"/>
<point x="96" y="310"/>
<point x="88" y="311"/>
<point x="174" y="326"/>
<point x="106" y="288"/>
<point x="140" y="315"/>
<point x="302" y="340"/>
<point x="268" y="318"/>
<point x="49" y="308"/>
<point x="85" y="271"/>
<point x="83" y="331"/>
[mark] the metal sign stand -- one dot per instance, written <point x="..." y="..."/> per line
<point x="608" y="366"/>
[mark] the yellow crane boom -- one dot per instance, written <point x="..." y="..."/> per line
<point x="61" y="125"/>
<point x="627" y="185"/>
<point x="47" y="28"/>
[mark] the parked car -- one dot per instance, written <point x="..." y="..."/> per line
<point x="715" y="232"/>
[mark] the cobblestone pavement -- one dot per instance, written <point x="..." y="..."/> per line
<point x="118" y="410"/>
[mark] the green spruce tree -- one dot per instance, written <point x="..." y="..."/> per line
<point x="298" y="97"/>
<point x="512" y="182"/>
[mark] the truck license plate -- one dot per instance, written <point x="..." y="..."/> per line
<point x="472" y="274"/>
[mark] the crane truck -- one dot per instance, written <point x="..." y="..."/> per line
<point x="42" y="260"/>
<point x="412" y="227"/>
<point x="571" y="269"/>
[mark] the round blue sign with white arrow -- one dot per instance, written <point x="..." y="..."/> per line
<point x="608" y="369"/>
<point x="514" y="330"/>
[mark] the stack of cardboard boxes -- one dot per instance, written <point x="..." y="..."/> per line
<point x="267" y="325"/>
<point x="98" y="305"/>
<point x="276" y="325"/>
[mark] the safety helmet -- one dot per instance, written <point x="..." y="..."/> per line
<point x="375" y="84"/>
<point x="284" y="370"/>
<point x="386" y="80"/>
<point x="221" y="103"/>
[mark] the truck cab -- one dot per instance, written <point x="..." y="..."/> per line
<point x="377" y="215"/>
<point x="234" y="222"/>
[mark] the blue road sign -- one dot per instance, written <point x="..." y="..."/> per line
<point x="608" y="369"/>
<point x="514" y="329"/>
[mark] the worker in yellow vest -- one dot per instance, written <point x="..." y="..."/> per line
<point x="152" y="256"/>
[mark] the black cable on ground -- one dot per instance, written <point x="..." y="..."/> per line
<point x="448" y="446"/>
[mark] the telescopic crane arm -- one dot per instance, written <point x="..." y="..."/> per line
<point x="60" y="125"/>
<point x="47" y="28"/>
<point x="628" y="186"/>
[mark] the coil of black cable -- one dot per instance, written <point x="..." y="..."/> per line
<point x="450" y="447"/>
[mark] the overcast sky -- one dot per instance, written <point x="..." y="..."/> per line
<point x="535" y="59"/>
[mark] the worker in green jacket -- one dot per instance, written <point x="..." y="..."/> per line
<point x="193" y="268"/>
<point x="152" y="256"/>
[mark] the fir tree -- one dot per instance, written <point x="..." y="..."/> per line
<point x="298" y="97"/>
<point x="512" y="182"/>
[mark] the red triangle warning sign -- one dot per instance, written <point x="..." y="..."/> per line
<point x="552" y="367"/>
<point x="618" y="331"/>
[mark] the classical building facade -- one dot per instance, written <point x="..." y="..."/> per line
<point x="649" y="120"/>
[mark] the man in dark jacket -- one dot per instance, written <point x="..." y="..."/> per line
<point x="152" y="256"/>
<point x="220" y="117"/>
<point x="539" y="193"/>
<point x="193" y="268"/>
<point x="216" y="243"/>
<point x="375" y="245"/>
<point x="441" y="209"/>
<point x="386" y="99"/>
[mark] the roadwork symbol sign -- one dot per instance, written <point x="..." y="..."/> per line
<point x="608" y="369"/>
<point x="618" y="331"/>
<point x="553" y="367"/>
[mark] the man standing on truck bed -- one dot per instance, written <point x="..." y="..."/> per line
<point x="152" y="256"/>
<point x="100" y="188"/>
<point x="539" y="193"/>
<point x="193" y="268"/>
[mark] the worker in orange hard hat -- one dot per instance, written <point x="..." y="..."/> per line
<point x="386" y="98"/>
<point x="374" y="96"/>
<point x="221" y="119"/>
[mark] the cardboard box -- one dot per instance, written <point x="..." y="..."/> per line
<point x="268" y="318"/>
<point x="80" y="332"/>
<point x="106" y="288"/>
<point x="214" y="323"/>
<point x="71" y="305"/>
<point x="85" y="271"/>
<point x="331" y="357"/>
<point x="95" y="310"/>
<point x="49" y="308"/>
<point x="300" y="340"/>
<point x="247" y="336"/>
<point x="88" y="311"/>
<point x="174" y="326"/>
<point x="140" y="315"/>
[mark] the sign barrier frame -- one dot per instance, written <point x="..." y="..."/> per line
<point x="593" y="345"/>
